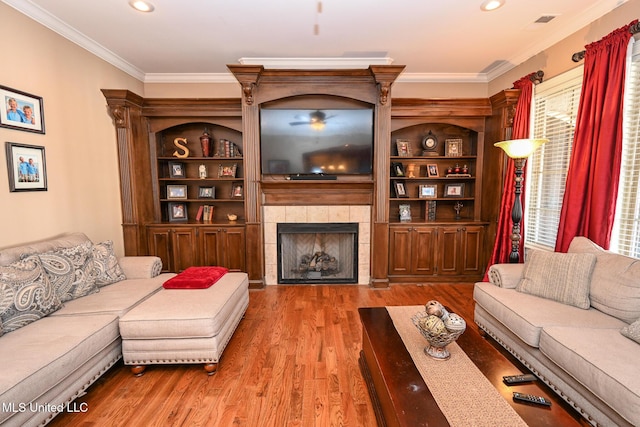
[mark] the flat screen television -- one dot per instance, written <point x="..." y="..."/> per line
<point x="316" y="141"/>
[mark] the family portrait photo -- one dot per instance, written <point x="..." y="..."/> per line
<point x="21" y="111"/>
<point x="26" y="166"/>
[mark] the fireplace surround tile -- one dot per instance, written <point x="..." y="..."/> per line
<point x="272" y="215"/>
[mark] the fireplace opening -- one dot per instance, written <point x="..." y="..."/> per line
<point x="325" y="253"/>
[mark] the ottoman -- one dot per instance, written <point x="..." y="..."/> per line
<point x="184" y="325"/>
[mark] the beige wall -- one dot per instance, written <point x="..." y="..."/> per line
<point x="80" y="148"/>
<point x="82" y="165"/>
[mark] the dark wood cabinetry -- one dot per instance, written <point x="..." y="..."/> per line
<point x="435" y="252"/>
<point x="175" y="246"/>
<point x="223" y="245"/>
<point x="440" y="183"/>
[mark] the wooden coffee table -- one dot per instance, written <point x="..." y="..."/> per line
<point x="401" y="398"/>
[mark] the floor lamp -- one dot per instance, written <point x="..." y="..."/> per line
<point x="519" y="150"/>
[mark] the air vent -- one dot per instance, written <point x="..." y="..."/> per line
<point x="544" y="19"/>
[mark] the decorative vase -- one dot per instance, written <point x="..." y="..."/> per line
<point x="411" y="169"/>
<point x="205" y="143"/>
<point x="465" y="169"/>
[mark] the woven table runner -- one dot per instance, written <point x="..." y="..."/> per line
<point x="462" y="392"/>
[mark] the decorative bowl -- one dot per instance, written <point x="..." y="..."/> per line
<point x="232" y="217"/>
<point x="439" y="332"/>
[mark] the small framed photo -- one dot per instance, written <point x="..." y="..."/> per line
<point x="21" y="110"/>
<point x="399" y="188"/>
<point x="404" y="148"/>
<point x="176" y="170"/>
<point x="178" y="212"/>
<point x="428" y="191"/>
<point x="454" y="190"/>
<point x="397" y="169"/>
<point x="176" y="191"/>
<point x="237" y="190"/>
<point x="405" y="213"/>
<point x="453" y="147"/>
<point x="26" y="167"/>
<point x="227" y="171"/>
<point x="432" y="170"/>
<point x="207" y="192"/>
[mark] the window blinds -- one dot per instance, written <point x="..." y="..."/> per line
<point x="626" y="232"/>
<point x="554" y="112"/>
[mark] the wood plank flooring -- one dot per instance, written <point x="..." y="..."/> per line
<point x="293" y="361"/>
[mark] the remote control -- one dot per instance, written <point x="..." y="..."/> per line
<point x="530" y="398"/>
<point x="517" y="379"/>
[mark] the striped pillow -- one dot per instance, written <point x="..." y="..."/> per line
<point x="561" y="277"/>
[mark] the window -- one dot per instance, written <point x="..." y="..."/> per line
<point x="625" y="238"/>
<point x="555" y="108"/>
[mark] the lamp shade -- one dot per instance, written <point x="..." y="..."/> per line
<point x="520" y="148"/>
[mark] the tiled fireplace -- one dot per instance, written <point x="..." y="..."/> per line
<point x="274" y="215"/>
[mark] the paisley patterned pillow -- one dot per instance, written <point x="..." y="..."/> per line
<point x="26" y="294"/>
<point x="71" y="271"/>
<point x="106" y="269"/>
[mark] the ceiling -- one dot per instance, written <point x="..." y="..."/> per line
<point x="446" y="40"/>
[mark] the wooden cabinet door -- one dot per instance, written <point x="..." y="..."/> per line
<point x="159" y="244"/>
<point x="234" y="248"/>
<point x="400" y="250"/>
<point x="224" y="247"/>
<point x="210" y="246"/>
<point x="176" y="247"/>
<point x="423" y="250"/>
<point x="448" y="250"/>
<point x="471" y="257"/>
<point x="183" y="248"/>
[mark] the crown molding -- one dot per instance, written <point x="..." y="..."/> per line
<point x="189" y="78"/>
<point x="318" y="63"/>
<point x="56" y="25"/>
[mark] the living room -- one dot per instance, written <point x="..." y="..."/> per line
<point x="84" y="174"/>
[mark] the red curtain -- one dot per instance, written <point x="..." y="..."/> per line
<point x="588" y="207"/>
<point x="502" y="245"/>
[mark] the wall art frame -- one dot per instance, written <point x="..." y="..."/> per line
<point x="26" y="166"/>
<point x="21" y="110"/>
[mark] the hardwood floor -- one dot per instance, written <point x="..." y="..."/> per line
<point x="293" y="361"/>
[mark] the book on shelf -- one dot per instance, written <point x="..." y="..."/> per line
<point x="227" y="148"/>
<point x="200" y="212"/>
<point x="430" y="210"/>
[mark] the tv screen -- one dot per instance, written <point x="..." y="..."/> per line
<point x="328" y="141"/>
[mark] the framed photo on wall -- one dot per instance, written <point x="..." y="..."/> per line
<point x="21" y="110"/>
<point x="26" y="167"/>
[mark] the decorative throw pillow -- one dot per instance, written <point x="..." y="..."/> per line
<point x="26" y="294"/>
<point x="106" y="269"/>
<point x="71" y="271"/>
<point x="196" y="278"/>
<point x="632" y="331"/>
<point x="558" y="276"/>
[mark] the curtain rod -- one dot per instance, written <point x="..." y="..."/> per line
<point x="579" y="56"/>
<point x="537" y="77"/>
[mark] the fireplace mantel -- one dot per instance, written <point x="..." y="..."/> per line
<point x="317" y="192"/>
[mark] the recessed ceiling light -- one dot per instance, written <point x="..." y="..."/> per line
<point x="489" y="5"/>
<point x="142" y="6"/>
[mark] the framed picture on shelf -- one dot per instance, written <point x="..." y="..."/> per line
<point x="399" y="188"/>
<point x="178" y="212"/>
<point x="176" y="191"/>
<point x="405" y="213"/>
<point x="403" y="147"/>
<point x="26" y="167"/>
<point x="453" y="147"/>
<point x="397" y="169"/>
<point x="176" y="170"/>
<point x="21" y="110"/>
<point x="207" y="192"/>
<point x="227" y="171"/>
<point x="432" y="170"/>
<point x="454" y="190"/>
<point x="428" y="191"/>
<point x="237" y="190"/>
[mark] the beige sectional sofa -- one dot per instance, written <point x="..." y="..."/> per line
<point x="60" y="303"/>
<point x="574" y="320"/>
